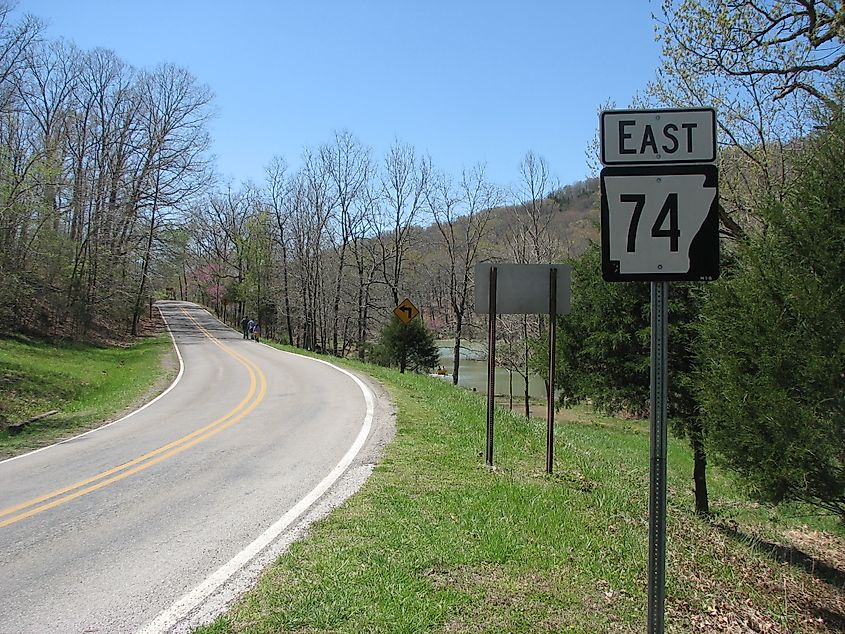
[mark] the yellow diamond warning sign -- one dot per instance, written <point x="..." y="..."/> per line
<point x="406" y="311"/>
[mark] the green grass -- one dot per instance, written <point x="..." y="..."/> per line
<point x="436" y="542"/>
<point x="86" y="384"/>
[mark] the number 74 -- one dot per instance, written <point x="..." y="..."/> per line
<point x="669" y="209"/>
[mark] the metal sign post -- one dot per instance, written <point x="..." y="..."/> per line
<point x="520" y="289"/>
<point x="659" y="222"/>
<point x="550" y="404"/>
<point x="657" y="486"/>
<point x="491" y="363"/>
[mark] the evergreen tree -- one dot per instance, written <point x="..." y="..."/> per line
<point x="604" y="351"/>
<point x="772" y="384"/>
<point x="409" y="346"/>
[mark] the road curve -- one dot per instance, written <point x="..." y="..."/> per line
<point x="132" y="527"/>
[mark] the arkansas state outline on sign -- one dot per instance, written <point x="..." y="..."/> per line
<point x="653" y="220"/>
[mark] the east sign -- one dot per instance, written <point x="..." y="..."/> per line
<point x="650" y="137"/>
<point x="659" y="196"/>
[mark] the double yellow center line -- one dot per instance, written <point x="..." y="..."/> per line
<point x="255" y="394"/>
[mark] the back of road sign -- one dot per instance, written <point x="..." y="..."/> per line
<point x="522" y="289"/>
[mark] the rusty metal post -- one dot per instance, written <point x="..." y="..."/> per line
<point x="550" y="406"/>
<point x="491" y="363"/>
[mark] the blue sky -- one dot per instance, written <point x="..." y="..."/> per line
<point x="464" y="81"/>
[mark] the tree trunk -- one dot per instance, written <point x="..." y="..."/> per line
<point x="336" y="303"/>
<point x="699" y="476"/>
<point x="365" y="316"/>
<point x="139" y="298"/>
<point x="456" y="366"/>
<point x="288" y="324"/>
<point x="360" y="340"/>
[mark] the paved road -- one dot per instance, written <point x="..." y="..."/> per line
<point x="105" y="532"/>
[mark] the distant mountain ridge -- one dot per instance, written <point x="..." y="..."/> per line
<point x="574" y="218"/>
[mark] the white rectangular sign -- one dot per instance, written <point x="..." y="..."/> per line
<point x="648" y="137"/>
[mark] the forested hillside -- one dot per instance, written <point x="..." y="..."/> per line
<point x="97" y="161"/>
<point x="109" y="198"/>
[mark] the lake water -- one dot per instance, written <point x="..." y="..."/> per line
<point x="473" y="371"/>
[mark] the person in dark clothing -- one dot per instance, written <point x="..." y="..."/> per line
<point x="245" y="326"/>
<point x="256" y="332"/>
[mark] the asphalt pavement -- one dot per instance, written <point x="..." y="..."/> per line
<point x="161" y="518"/>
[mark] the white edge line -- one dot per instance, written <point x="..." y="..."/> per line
<point x="184" y="606"/>
<point x="119" y="420"/>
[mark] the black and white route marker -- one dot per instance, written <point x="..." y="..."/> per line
<point x="660" y="223"/>
<point x="659" y="195"/>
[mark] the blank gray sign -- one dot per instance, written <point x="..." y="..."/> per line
<point x="521" y="289"/>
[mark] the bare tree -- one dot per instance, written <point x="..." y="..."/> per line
<point x="404" y="181"/>
<point x="19" y="158"/>
<point x="96" y="157"/>
<point x="532" y="241"/>
<point x="16" y="42"/>
<point x="308" y="212"/>
<point x="766" y="67"/>
<point x="369" y="261"/>
<point x="510" y="354"/>
<point x="279" y="190"/>
<point x="348" y="165"/>
<point x="103" y="138"/>
<point x="461" y="215"/>
<point x="174" y="169"/>
<point x="227" y="217"/>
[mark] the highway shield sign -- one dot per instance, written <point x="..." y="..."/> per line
<point x="660" y="223"/>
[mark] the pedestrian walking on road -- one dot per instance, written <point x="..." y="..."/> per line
<point x="245" y="326"/>
<point x="249" y="326"/>
<point x="256" y="332"/>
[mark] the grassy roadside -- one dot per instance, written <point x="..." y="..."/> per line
<point x="86" y="384"/>
<point x="435" y="542"/>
